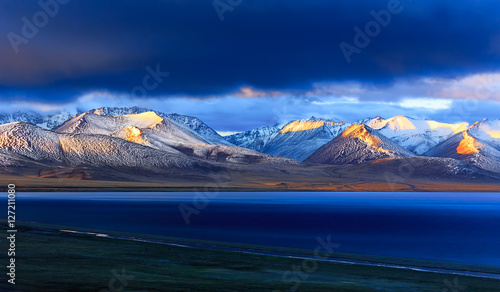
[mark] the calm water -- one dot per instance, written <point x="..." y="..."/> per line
<point x="452" y="227"/>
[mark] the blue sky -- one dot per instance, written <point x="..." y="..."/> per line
<point x="241" y="64"/>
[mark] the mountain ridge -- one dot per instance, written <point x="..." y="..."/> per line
<point x="146" y="149"/>
<point x="357" y="144"/>
<point x="297" y="139"/>
<point x="179" y="135"/>
<point x="478" y="145"/>
<point x="150" y="129"/>
<point x="194" y="124"/>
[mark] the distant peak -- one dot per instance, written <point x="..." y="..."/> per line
<point x="150" y="118"/>
<point x="361" y="132"/>
<point x="456" y="128"/>
<point x="144" y="114"/>
<point x="355" y="130"/>
<point x="370" y="121"/>
<point x="480" y="123"/>
<point x="297" y="126"/>
<point x="117" y="111"/>
<point x="395" y="123"/>
<point x="314" y="119"/>
<point x="304" y="125"/>
<point x="489" y="126"/>
<point x="400" y="119"/>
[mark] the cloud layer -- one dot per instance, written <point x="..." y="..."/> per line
<point x="268" y="45"/>
<point x="253" y="63"/>
<point x="234" y="113"/>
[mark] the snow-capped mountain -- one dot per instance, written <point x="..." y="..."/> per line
<point x="46" y="122"/>
<point x="170" y="132"/>
<point x="26" y="147"/>
<point x="256" y="139"/>
<point x="53" y="121"/>
<point x="181" y="135"/>
<point x="415" y="135"/>
<point x="301" y="138"/>
<point x="479" y="145"/>
<point x="370" y="121"/>
<point x="27" y="143"/>
<point x="118" y="111"/>
<point x="357" y="144"/>
<point x="149" y="129"/>
<point x="487" y="130"/>
<point x="200" y="128"/>
<point x="192" y="123"/>
<point x="297" y="139"/>
<point x="125" y="143"/>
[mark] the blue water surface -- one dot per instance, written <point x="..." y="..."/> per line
<point x="458" y="227"/>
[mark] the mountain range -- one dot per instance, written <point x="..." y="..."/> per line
<point x="478" y="145"/>
<point x="357" y="144"/>
<point x="114" y="143"/>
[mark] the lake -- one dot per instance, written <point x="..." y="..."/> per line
<point x="462" y="227"/>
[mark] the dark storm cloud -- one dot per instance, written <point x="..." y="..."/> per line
<point x="279" y="45"/>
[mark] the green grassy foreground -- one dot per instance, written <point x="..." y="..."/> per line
<point x="49" y="260"/>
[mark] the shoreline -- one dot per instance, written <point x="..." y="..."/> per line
<point x="294" y="256"/>
<point x="86" y="259"/>
<point x="241" y="183"/>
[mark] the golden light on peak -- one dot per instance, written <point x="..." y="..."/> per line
<point x="395" y="123"/>
<point x="360" y="132"/>
<point x="456" y="128"/>
<point x="298" y="126"/>
<point x="134" y="134"/>
<point x="146" y="119"/>
<point x="468" y="145"/>
<point x="494" y="134"/>
<point x="402" y="123"/>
